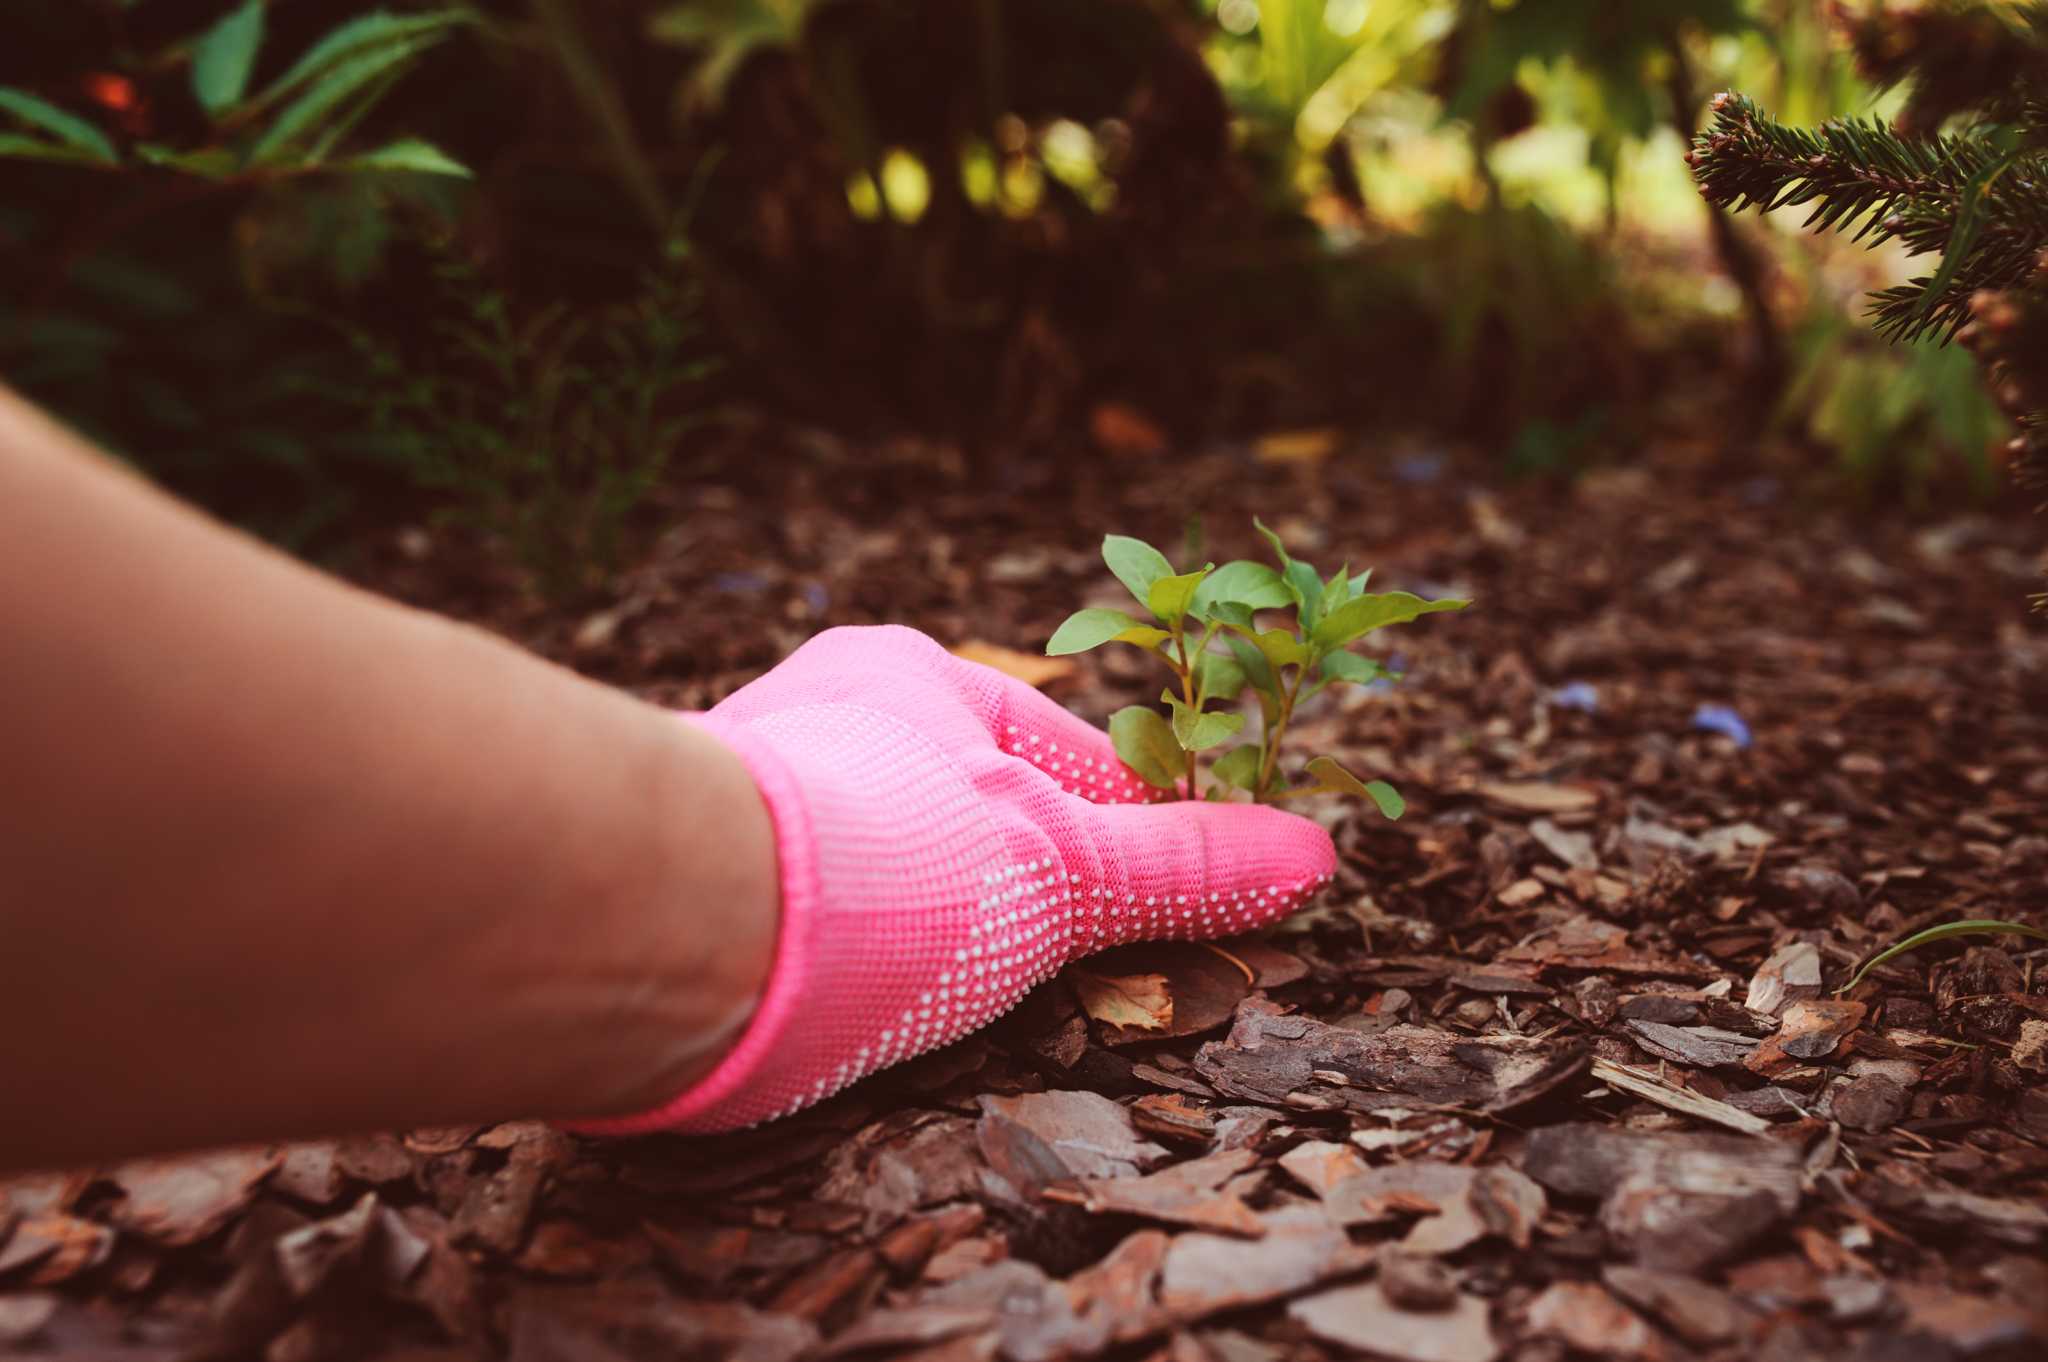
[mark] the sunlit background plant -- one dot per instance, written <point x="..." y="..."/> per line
<point x="1014" y="229"/>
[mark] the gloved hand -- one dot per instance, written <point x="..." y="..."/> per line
<point x="948" y="837"/>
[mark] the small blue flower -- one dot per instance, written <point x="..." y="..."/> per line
<point x="1583" y="696"/>
<point x="817" y="598"/>
<point x="739" y="583"/>
<point x="1723" y="720"/>
<point x="1422" y="469"/>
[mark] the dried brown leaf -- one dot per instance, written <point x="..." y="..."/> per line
<point x="1140" y="1001"/>
<point x="1033" y="669"/>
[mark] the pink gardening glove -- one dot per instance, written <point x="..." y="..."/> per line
<point x="948" y="838"/>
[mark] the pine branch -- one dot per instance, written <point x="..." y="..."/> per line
<point x="1980" y="61"/>
<point x="1860" y="175"/>
<point x="1977" y="197"/>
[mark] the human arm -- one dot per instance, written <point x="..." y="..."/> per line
<point x="280" y="857"/>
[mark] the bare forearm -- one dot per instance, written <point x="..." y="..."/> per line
<point x="285" y="857"/>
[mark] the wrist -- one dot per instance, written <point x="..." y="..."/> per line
<point x="696" y="942"/>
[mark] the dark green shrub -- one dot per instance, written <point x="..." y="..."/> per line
<point x="543" y="425"/>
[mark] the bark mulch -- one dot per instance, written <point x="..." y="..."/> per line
<point x="1556" y="1069"/>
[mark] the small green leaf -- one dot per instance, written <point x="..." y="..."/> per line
<point x="1302" y="584"/>
<point x="1384" y="796"/>
<point x="375" y="29"/>
<point x="332" y="90"/>
<point x="422" y="158"/>
<point x="69" y="129"/>
<point x="1091" y="628"/>
<point x="1257" y="670"/>
<point x="1146" y="745"/>
<point x="1358" y="582"/>
<point x="1969" y="927"/>
<point x="1169" y="596"/>
<point x="1198" y="730"/>
<point x="1357" y="618"/>
<point x="1342" y="666"/>
<point x="1136" y="564"/>
<point x="211" y="163"/>
<point x="1218" y="676"/>
<point x="1279" y="549"/>
<point x="1337" y="590"/>
<point x="1239" y="766"/>
<point x="1281" y="648"/>
<point x="1251" y="585"/>
<point x="1307" y="589"/>
<point x="225" y="55"/>
<point x="1386" y="799"/>
<point x="19" y="146"/>
<point x="1236" y="614"/>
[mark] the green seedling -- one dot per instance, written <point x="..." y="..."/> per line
<point x="1282" y="660"/>
<point x="1986" y="926"/>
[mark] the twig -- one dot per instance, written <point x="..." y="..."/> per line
<point x="1250" y="975"/>
<point x="1651" y="1088"/>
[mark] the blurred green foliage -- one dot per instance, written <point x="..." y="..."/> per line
<point x="545" y="427"/>
<point x="263" y="248"/>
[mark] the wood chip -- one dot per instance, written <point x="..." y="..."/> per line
<point x="640" y="1320"/>
<point x="1281" y="1060"/>
<point x="310" y="1173"/>
<point x="1173" y="1117"/>
<point x="1677" y="1202"/>
<point x="1574" y="849"/>
<point x="1414" y="1282"/>
<point x="2030" y="1049"/>
<point x="1701" y="1314"/>
<point x="1535" y="796"/>
<point x="23" y="1315"/>
<point x="1587" y="1318"/>
<point x="182" y="1200"/>
<point x="1117" y="1299"/>
<point x="1184" y="1194"/>
<point x="1870" y="1103"/>
<point x="1670" y="1096"/>
<point x="2008" y="1220"/>
<point x="1036" y="1138"/>
<point x="495" y="1209"/>
<point x="1036" y="1318"/>
<point x="55" y="1247"/>
<point x="1205" y="1274"/>
<point x="1320" y="1165"/>
<point x="835" y="1288"/>
<point x="910" y="1326"/>
<point x="1363" y="1318"/>
<point x="1496" y="1200"/>
<point x="1808" y="1031"/>
<point x="1969" y="1324"/>
<point x="1704" y="1046"/>
<point x="1791" y="975"/>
